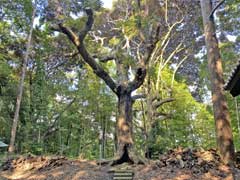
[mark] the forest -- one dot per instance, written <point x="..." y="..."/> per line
<point x="142" y="89"/>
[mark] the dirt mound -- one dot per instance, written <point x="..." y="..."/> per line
<point x="190" y="164"/>
<point x="52" y="168"/>
<point x="196" y="160"/>
<point x="176" y="164"/>
<point x="33" y="163"/>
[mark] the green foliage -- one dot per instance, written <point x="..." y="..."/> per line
<point x="39" y="94"/>
<point x="234" y="109"/>
<point x="129" y="27"/>
<point x="191" y="123"/>
<point x="114" y="41"/>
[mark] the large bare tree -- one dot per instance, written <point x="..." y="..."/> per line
<point x="221" y="114"/>
<point x="123" y="86"/>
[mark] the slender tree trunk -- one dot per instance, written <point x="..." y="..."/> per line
<point x="221" y="114"/>
<point x="103" y="138"/>
<point x="145" y="133"/>
<point x="80" y="137"/>
<point x="20" y="88"/>
<point x="31" y="96"/>
<point x="69" y="134"/>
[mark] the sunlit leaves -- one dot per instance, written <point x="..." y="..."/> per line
<point x="129" y="27"/>
<point x="114" y="41"/>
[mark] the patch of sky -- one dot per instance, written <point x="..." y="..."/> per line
<point x="231" y="38"/>
<point x="199" y="37"/>
<point x="207" y="96"/>
<point x="173" y="66"/>
<point x="73" y="77"/>
<point x="107" y="3"/>
<point x="201" y="53"/>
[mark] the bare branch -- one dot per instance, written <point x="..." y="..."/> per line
<point x="138" y="96"/>
<point x="155" y="97"/>
<point x="141" y="71"/>
<point x="104" y="59"/>
<point x="162" y="115"/>
<point x="161" y="118"/>
<point x="158" y="104"/>
<point x="151" y="46"/>
<point x="161" y="47"/>
<point x="71" y="55"/>
<point x="163" y="64"/>
<point x="67" y="55"/>
<point x="97" y="38"/>
<point x="177" y="50"/>
<point x="178" y="66"/>
<point x="215" y="8"/>
<point x="166" y="13"/>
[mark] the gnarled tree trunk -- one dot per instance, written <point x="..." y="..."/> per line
<point x="122" y="87"/>
<point x="124" y="127"/>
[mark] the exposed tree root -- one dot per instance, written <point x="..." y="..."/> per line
<point x="130" y="157"/>
<point x="124" y="159"/>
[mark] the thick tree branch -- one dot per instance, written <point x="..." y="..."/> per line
<point x="97" y="69"/>
<point x="78" y="42"/>
<point x="162" y="115"/>
<point x="138" y="80"/>
<point x="70" y="34"/>
<point x="88" y="24"/>
<point x="158" y="104"/>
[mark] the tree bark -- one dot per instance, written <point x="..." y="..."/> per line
<point x="221" y="114"/>
<point x="124" y="127"/>
<point x="20" y="88"/>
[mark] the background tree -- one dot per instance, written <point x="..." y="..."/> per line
<point x="221" y="115"/>
<point x="21" y="85"/>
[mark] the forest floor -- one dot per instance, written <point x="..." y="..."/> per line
<point x="177" y="164"/>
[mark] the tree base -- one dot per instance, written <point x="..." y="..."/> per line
<point x="130" y="157"/>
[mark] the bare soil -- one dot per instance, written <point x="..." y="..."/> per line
<point x="177" y="164"/>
